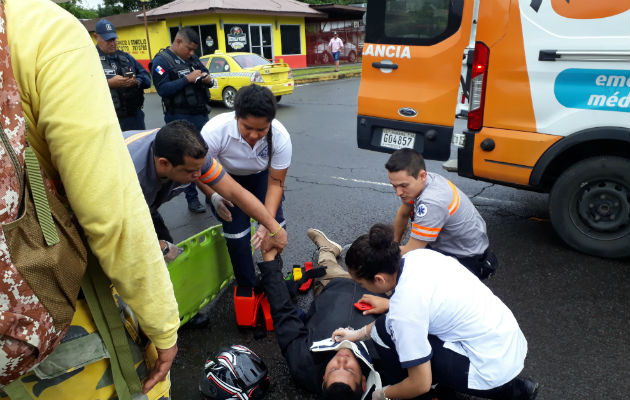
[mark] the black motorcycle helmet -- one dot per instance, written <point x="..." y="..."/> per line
<point x="235" y="372"/>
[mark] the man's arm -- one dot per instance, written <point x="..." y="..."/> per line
<point x="142" y="75"/>
<point x="401" y="222"/>
<point x="68" y="134"/>
<point x="163" y="85"/>
<point x="412" y="244"/>
<point x="417" y="382"/>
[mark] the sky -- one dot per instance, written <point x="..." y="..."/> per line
<point x="91" y="3"/>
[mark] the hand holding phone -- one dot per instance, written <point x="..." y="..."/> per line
<point x="128" y="74"/>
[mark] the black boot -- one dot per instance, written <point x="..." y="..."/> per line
<point x="524" y="389"/>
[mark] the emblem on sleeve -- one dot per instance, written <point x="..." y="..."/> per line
<point x="421" y="211"/>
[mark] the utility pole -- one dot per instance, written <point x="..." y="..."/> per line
<point x="146" y="27"/>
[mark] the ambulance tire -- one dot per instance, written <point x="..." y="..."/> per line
<point x="229" y="94"/>
<point x="589" y="206"/>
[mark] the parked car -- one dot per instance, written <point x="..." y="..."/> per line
<point x="232" y="71"/>
<point x="349" y="52"/>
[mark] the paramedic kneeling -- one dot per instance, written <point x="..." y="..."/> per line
<point x="168" y="159"/>
<point x="446" y="326"/>
<point x="442" y="217"/>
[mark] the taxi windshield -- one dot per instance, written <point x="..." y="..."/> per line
<point x="250" y="60"/>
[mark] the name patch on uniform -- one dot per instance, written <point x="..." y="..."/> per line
<point x="421" y="211"/>
<point x="159" y="70"/>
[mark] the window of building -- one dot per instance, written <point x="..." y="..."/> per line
<point x="290" y="37"/>
<point x="207" y="36"/>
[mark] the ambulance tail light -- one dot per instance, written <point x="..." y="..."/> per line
<point x="478" y="80"/>
<point x="256" y="77"/>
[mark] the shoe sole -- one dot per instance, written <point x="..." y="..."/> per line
<point x="337" y="245"/>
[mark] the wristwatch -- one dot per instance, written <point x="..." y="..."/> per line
<point x="165" y="249"/>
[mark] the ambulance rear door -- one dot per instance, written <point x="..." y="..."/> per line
<point x="412" y="65"/>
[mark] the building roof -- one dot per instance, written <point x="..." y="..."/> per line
<point x="338" y="11"/>
<point x="292" y="8"/>
<point x="119" y="20"/>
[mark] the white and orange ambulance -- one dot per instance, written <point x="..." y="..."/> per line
<point x="548" y="84"/>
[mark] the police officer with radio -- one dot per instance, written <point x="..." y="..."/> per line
<point x="126" y="78"/>
<point x="183" y="83"/>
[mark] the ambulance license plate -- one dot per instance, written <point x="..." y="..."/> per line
<point x="458" y="139"/>
<point x="395" y="139"/>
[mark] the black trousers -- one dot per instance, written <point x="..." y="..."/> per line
<point x="448" y="368"/>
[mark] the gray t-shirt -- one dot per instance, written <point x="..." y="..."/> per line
<point x="445" y="216"/>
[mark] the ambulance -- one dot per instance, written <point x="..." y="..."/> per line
<point x="547" y="85"/>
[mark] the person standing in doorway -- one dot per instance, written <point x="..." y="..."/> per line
<point x="335" y="46"/>
<point x="183" y="83"/>
<point x="126" y="78"/>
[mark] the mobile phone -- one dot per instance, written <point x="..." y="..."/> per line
<point x="361" y="306"/>
<point x="128" y="74"/>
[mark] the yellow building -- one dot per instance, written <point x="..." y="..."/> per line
<point x="272" y="28"/>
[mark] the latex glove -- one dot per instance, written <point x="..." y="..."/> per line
<point x="220" y="205"/>
<point x="259" y="236"/>
<point x="379" y="394"/>
<point x="173" y="252"/>
<point x="350" y="334"/>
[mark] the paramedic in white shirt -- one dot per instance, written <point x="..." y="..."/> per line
<point x="446" y="326"/>
<point x="255" y="149"/>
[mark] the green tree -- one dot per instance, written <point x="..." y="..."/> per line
<point x="76" y="8"/>
<point x="123" y="6"/>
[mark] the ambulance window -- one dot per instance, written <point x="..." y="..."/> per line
<point x="412" y="22"/>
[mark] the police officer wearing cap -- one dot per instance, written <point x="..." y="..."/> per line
<point x="126" y="78"/>
<point x="183" y="83"/>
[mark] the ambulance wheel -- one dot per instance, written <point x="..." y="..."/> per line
<point x="589" y="206"/>
<point x="278" y="99"/>
<point x="229" y="94"/>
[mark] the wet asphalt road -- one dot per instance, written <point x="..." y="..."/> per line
<point x="574" y="309"/>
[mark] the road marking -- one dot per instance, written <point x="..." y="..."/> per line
<point x="361" y="181"/>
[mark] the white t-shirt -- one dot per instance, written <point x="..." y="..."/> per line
<point x="228" y="146"/>
<point x="436" y="295"/>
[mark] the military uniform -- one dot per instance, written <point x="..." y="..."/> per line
<point x="127" y="101"/>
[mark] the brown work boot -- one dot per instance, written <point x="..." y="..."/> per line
<point x="322" y="242"/>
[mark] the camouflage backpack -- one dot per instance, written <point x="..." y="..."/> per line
<point x="42" y="255"/>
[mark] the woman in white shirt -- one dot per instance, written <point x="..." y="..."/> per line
<point x="255" y="149"/>
<point x="446" y="326"/>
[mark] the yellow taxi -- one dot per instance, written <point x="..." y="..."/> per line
<point x="232" y="71"/>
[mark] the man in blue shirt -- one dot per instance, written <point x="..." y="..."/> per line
<point x="126" y="78"/>
<point x="183" y="83"/>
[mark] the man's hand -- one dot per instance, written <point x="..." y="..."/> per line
<point x="193" y="75"/>
<point x="161" y="368"/>
<point x="379" y="304"/>
<point x="117" y="81"/>
<point x="173" y="251"/>
<point x="207" y="79"/>
<point x="220" y="205"/>
<point x="259" y="236"/>
<point x="278" y="241"/>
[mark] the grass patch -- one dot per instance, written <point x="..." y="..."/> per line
<point x="303" y="72"/>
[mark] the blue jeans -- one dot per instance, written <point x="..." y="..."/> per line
<point x="133" y="123"/>
<point x="237" y="232"/>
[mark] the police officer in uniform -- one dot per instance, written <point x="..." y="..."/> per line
<point x="183" y="83"/>
<point x="126" y="78"/>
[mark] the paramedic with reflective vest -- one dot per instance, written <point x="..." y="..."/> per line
<point x="168" y="159"/>
<point x="183" y="83"/>
<point x="442" y="217"/>
<point x="255" y="149"/>
<point x="126" y="78"/>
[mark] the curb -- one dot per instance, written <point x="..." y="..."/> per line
<point x="327" y="77"/>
